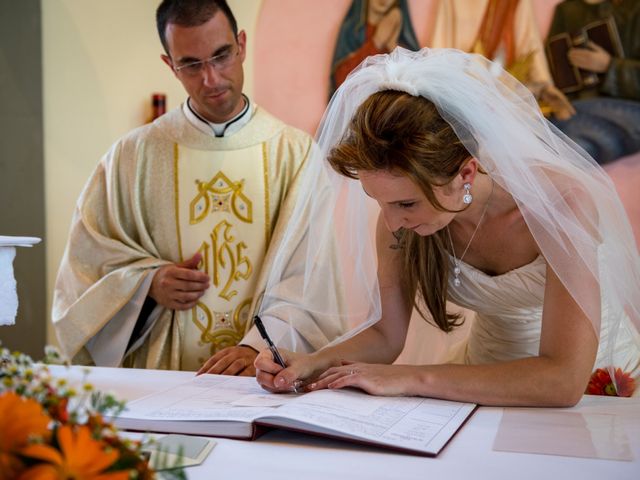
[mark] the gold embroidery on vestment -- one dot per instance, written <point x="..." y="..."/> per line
<point x="221" y="329"/>
<point x="220" y="194"/>
<point x="216" y="217"/>
<point x="267" y="219"/>
<point x="176" y="192"/>
<point x="226" y="255"/>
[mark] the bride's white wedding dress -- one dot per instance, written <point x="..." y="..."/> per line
<point x="509" y="318"/>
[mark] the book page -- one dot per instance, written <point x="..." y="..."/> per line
<point x="413" y="423"/>
<point x="207" y="397"/>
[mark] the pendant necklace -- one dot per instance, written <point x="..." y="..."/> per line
<point x="457" y="261"/>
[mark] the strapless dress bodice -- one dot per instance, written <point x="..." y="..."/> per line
<point x="509" y="316"/>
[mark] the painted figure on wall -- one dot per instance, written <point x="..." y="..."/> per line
<point x="607" y="122"/>
<point x="504" y="31"/>
<point x="369" y="28"/>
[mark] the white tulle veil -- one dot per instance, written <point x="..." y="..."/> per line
<point x="568" y="202"/>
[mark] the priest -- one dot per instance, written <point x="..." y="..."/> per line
<point x="174" y="232"/>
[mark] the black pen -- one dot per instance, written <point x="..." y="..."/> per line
<point x="274" y="351"/>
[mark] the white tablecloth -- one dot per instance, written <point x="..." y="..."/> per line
<point x="283" y="455"/>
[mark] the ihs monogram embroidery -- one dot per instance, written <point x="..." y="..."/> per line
<point x="223" y="258"/>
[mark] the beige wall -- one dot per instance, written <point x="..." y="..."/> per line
<point x="101" y="65"/>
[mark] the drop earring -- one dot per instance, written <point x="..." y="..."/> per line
<point x="467" y="198"/>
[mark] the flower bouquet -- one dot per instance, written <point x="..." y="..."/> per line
<point x="601" y="383"/>
<point x="50" y="430"/>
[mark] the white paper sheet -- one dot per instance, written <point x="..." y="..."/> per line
<point x="206" y="397"/>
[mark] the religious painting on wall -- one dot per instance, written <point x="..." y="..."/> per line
<point x="369" y="28"/>
<point x="500" y="30"/>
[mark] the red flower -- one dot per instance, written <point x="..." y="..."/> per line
<point x="58" y="409"/>
<point x="600" y="383"/>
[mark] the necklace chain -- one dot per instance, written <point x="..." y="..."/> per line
<point x="457" y="261"/>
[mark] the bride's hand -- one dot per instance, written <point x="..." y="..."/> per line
<point x="300" y="368"/>
<point x="372" y="378"/>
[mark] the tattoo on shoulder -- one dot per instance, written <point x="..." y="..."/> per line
<point x="398" y="235"/>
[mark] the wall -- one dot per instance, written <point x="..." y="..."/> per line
<point x="21" y="167"/>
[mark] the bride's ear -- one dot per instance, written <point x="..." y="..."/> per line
<point x="469" y="170"/>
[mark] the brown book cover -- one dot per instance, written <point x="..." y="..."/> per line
<point x="566" y="76"/>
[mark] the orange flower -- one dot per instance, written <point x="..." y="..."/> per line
<point x="20" y="420"/>
<point x="81" y="457"/>
<point x="600" y="383"/>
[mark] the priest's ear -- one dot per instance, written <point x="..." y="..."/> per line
<point x="242" y="44"/>
<point x="167" y="59"/>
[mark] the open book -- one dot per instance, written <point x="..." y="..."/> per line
<point x="236" y="407"/>
<point x="569" y="78"/>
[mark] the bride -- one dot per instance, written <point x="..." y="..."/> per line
<point x="482" y="202"/>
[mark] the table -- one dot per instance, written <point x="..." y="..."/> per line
<point x="282" y="455"/>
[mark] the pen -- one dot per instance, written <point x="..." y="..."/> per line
<point x="274" y="351"/>
<point x="263" y="333"/>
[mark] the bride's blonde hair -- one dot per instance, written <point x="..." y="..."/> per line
<point x="405" y="134"/>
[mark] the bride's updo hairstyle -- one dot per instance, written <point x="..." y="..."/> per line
<point x="405" y="135"/>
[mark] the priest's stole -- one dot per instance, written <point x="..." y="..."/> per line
<point x="222" y="212"/>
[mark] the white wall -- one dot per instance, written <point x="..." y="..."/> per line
<point x="101" y="64"/>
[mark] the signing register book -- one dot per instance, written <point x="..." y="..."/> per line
<point x="237" y="407"/>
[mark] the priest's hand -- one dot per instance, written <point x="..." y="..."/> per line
<point x="178" y="286"/>
<point x="236" y="360"/>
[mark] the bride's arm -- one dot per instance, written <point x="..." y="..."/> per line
<point x="556" y="377"/>
<point x="382" y="342"/>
